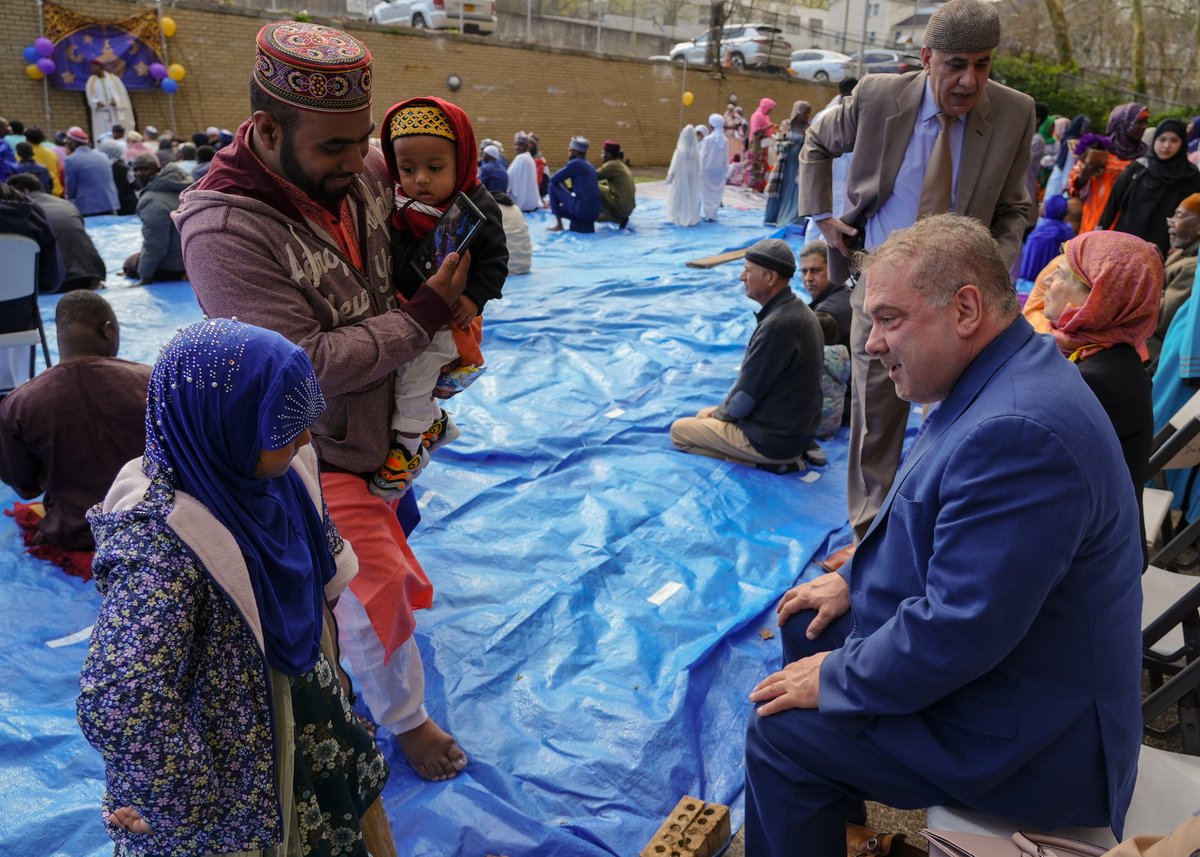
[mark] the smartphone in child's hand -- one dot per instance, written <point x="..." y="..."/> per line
<point x="453" y="234"/>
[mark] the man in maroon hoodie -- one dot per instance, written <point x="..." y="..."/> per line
<point x="288" y="231"/>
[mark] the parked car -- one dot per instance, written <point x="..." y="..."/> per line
<point x="816" y="64"/>
<point x="745" y="46"/>
<point x="885" y="62"/>
<point x="476" y="17"/>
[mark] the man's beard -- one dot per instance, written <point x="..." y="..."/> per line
<point x="294" y="172"/>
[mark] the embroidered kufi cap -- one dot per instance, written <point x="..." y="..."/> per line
<point x="963" y="26"/>
<point x="491" y="151"/>
<point x="579" y="144"/>
<point x="78" y="135"/>
<point x="774" y="254"/>
<point x="421" y="120"/>
<point x="612" y="147"/>
<point x="1192" y="203"/>
<point x="313" y="67"/>
<point x="520" y="138"/>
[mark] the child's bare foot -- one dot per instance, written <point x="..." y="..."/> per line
<point x="432" y="753"/>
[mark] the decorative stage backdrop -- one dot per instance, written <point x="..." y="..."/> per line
<point x="127" y="48"/>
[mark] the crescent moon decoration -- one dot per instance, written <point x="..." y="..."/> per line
<point x="74" y="54"/>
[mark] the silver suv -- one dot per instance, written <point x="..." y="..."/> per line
<point x="742" y="46"/>
<point x="474" y="17"/>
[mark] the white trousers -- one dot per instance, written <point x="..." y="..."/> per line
<point x="394" y="692"/>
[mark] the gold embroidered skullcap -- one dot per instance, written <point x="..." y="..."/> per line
<point x="421" y="119"/>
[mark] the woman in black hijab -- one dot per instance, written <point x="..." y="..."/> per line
<point x="1148" y="191"/>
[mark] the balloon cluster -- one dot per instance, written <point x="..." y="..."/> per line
<point x="37" y="56"/>
<point x="168" y="76"/>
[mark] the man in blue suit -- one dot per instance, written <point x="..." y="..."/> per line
<point x="982" y="649"/>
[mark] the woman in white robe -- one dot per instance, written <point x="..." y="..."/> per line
<point x="714" y="161"/>
<point x="683" y="180"/>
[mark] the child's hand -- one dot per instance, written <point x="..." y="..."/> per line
<point x="128" y="818"/>
<point x="464" y="312"/>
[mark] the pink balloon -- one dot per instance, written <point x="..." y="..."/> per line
<point x="157" y="70"/>
<point x="46" y="65"/>
<point x="44" y="47"/>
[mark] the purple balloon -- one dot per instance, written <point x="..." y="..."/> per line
<point x="157" y="70"/>
<point x="30" y="53"/>
<point x="44" y="47"/>
<point x="169" y="86"/>
<point x="46" y="65"/>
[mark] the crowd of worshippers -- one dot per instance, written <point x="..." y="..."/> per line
<point x="942" y="633"/>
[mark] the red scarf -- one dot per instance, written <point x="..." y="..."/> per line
<point x="412" y="216"/>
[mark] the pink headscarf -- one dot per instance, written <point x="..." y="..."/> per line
<point x="1125" y="275"/>
<point x="760" y="120"/>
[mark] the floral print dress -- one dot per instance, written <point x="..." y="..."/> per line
<point x="177" y="696"/>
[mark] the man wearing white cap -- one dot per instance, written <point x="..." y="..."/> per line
<point x="522" y="176"/>
<point x="492" y="174"/>
<point x="942" y="139"/>
<point x="575" y="190"/>
<point x="289" y="231"/>
<point x="89" y="175"/>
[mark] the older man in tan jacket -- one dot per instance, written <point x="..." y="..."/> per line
<point x="942" y="139"/>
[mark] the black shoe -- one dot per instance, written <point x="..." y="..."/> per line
<point x="814" y="455"/>
<point x="781" y="469"/>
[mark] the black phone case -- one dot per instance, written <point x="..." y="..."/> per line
<point x="424" y="260"/>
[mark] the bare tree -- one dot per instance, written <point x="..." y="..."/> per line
<point x="1139" y="45"/>
<point x="1062" y="35"/>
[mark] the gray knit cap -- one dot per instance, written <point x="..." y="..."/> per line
<point x="775" y="255"/>
<point x="963" y="26"/>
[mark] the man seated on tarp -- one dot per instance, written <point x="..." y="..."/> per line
<point x="67" y="432"/>
<point x="769" y="417"/>
<point x="982" y="649"/>
<point x="618" y="196"/>
<point x="575" y="190"/>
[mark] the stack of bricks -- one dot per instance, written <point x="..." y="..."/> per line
<point x="693" y="829"/>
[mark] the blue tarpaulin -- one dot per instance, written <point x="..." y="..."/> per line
<point x="599" y="596"/>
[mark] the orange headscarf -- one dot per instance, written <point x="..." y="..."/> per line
<point x="1125" y="276"/>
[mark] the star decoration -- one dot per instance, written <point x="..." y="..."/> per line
<point x="67" y="77"/>
<point x="142" y="69"/>
<point x="87" y="39"/>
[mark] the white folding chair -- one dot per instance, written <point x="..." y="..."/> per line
<point x="1167" y="793"/>
<point x="18" y="284"/>
<point x="1176" y="447"/>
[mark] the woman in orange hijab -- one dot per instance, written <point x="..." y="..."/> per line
<point x="1102" y="303"/>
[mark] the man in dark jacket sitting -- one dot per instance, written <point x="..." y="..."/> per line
<point x="770" y="415"/>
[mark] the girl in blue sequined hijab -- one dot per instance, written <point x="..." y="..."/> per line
<point x="229" y="404"/>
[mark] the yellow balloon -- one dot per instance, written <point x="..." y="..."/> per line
<point x="34" y="72"/>
<point x="176" y="72"/>
<point x="168" y="27"/>
<point x="688" y="98"/>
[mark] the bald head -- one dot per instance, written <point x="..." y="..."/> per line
<point x="86" y="326"/>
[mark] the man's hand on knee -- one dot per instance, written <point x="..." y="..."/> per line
<point x="710" y="411"/>
<point x="798" y="685"/>
<point x="829" y="595"/>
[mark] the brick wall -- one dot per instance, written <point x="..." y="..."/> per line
<point x="506" y="87"/>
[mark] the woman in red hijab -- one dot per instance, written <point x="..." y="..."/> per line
<point x="1102" y="303"/>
